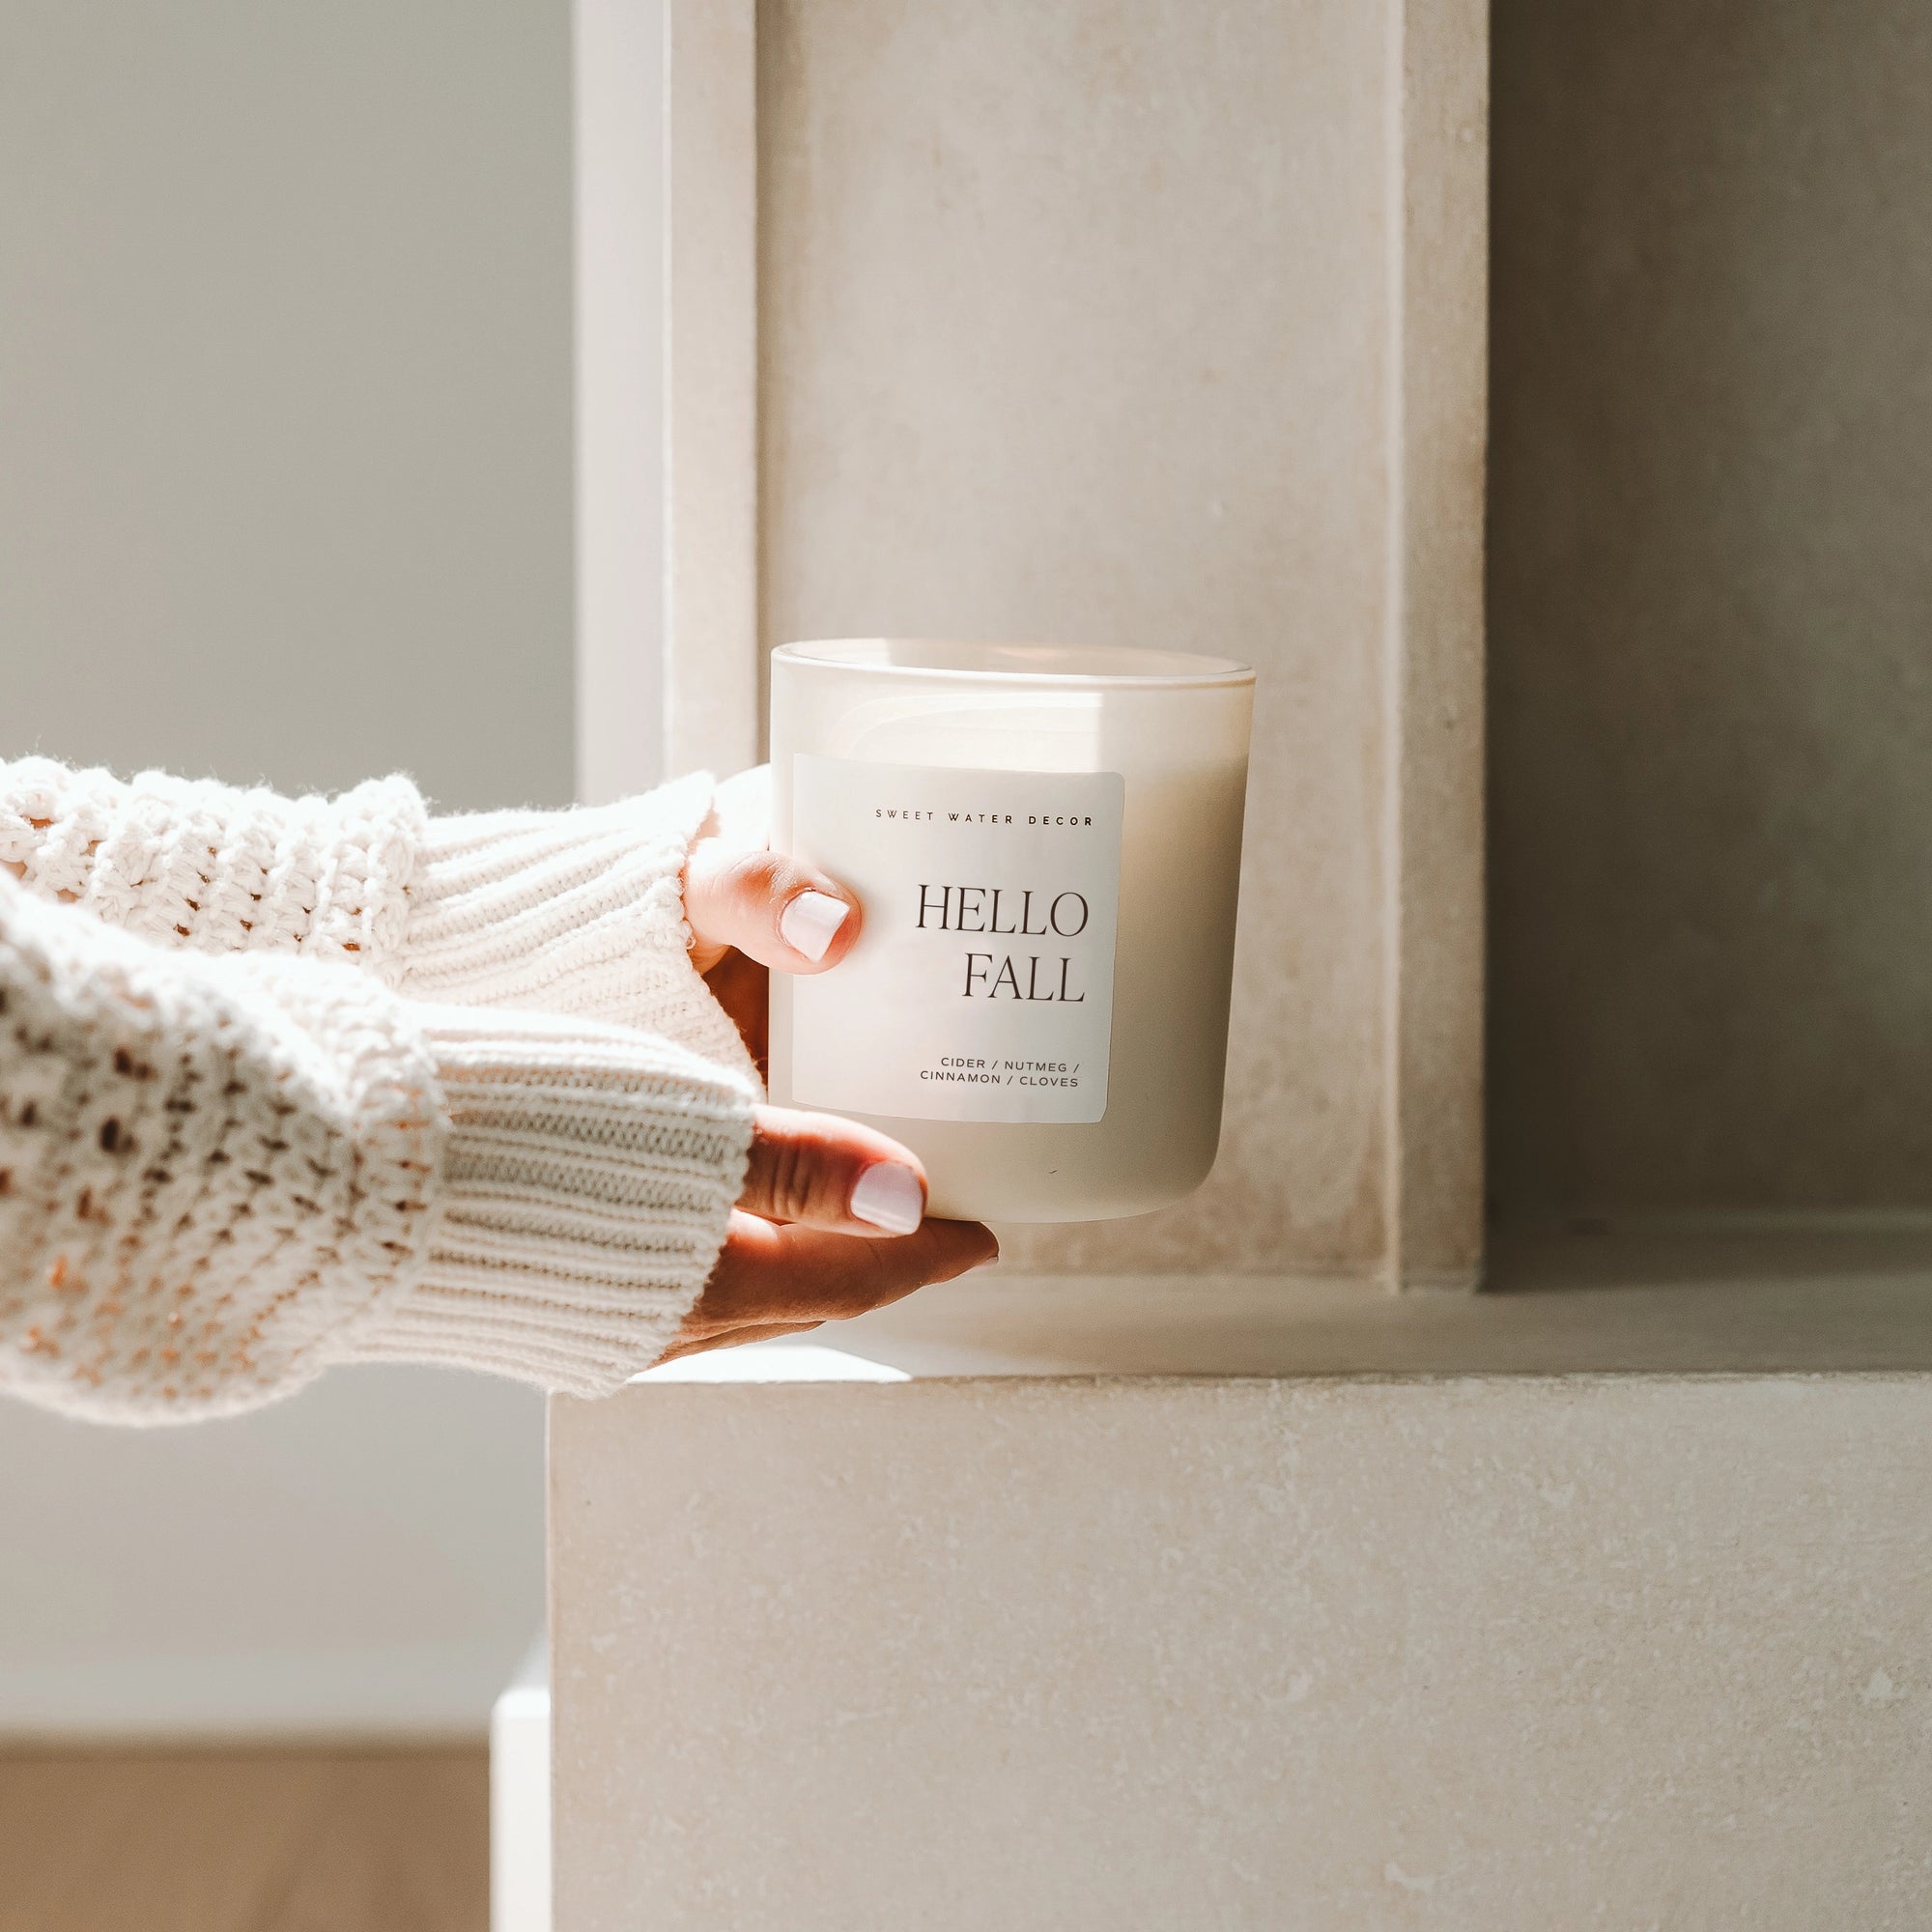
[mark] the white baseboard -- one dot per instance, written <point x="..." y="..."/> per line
<point x="380" y="1696"/>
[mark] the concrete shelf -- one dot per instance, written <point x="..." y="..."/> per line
<point x="1479" y="1653"/>
<point x="1663" y="1302"/>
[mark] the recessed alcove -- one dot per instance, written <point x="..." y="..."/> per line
<point x="1250" y="1564"/>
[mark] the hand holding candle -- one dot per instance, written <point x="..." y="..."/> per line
<point x="831" y="1222"/>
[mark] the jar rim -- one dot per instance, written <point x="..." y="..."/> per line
<point x="1125" y="666"/>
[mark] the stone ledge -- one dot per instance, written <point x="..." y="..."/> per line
<point x="1766" y="1299"/>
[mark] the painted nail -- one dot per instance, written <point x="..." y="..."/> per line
<point x="812" y="923"/>
<point x="890" y="1197"/>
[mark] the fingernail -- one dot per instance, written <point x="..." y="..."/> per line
<point x="890" y="1197"/>
<point x="812" y="923"/>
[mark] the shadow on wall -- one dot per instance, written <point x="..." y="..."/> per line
<point x="1711" y="598"/>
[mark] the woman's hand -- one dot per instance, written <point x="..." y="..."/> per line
<point x="831" y="1219"/>
<point x="752" y="909"/>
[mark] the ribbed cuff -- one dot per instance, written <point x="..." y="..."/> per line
<point x="587" y="1182"/>
<point x="569" y="912"/>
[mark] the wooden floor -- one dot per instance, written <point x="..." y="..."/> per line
<point x="245" y="1841"/>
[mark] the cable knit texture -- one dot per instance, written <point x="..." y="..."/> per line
<point x="185" y="861"/>
<point x="574" y="912"/>
<point x="218" y="1175"/>
<point x="200" y="1177"/>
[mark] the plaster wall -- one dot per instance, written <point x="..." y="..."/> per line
<point x="1710" y="600"/>
<point x="1088" y="321"/>
<point x="285" y="460"/>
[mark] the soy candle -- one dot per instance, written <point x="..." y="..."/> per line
<point x="1045" y="842"/>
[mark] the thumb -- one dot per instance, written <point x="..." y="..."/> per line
<point x="784" y="915"/>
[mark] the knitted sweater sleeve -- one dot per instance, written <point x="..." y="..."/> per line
<point x="218" y="1175"/>
<point x="577" y="911"/>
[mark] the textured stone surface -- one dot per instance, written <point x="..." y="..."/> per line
<point x="1710" y="598"/>
<point x="1142" y="1656"/>
<point x="1087" y="321"/>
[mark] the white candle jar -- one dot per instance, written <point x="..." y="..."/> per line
<point x="1045" y="842"/>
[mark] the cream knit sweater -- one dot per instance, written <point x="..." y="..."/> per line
<point x="287" y="1081"/>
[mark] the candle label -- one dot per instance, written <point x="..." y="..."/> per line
<point x="982" y="986"/>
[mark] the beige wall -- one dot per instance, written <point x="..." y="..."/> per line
<point x="1711" y="607"/>
<point x="284" y="494"/>
<point x="1083" y="322"/>
<point x="285" y="460"/>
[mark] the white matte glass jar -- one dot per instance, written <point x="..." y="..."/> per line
<point x="1045" y="842"/>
